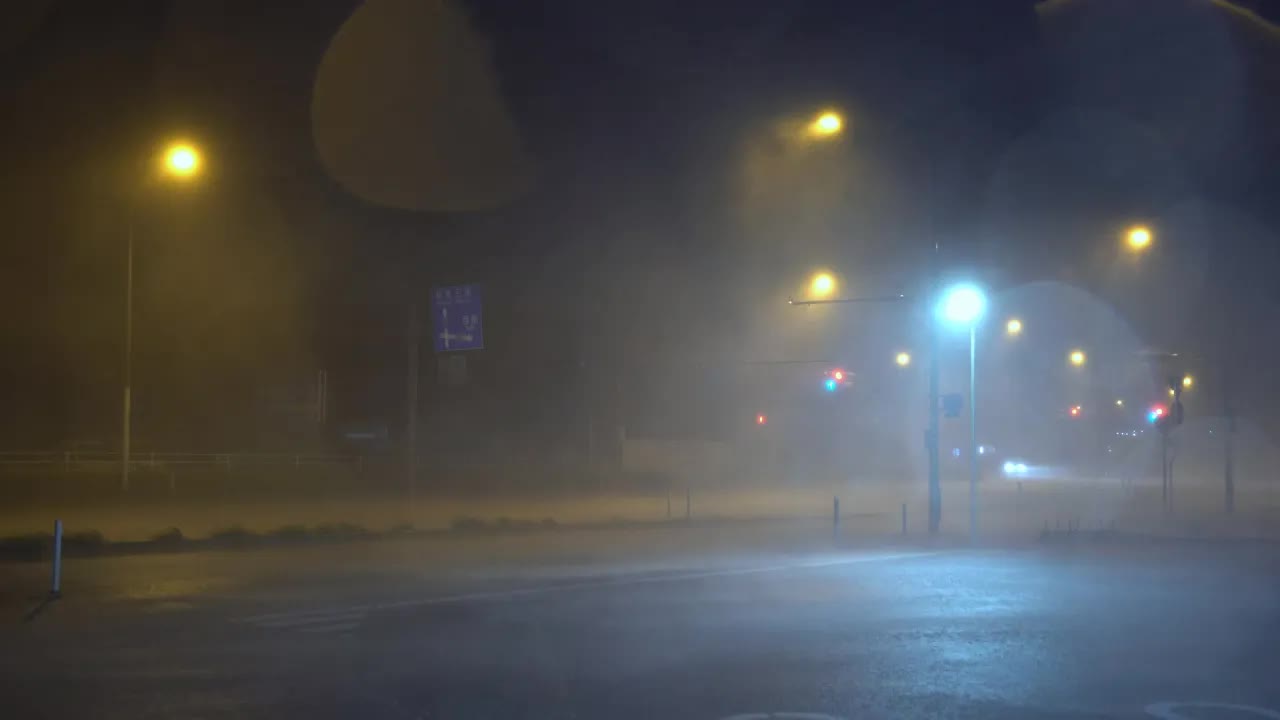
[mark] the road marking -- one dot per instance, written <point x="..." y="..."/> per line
<point x="287" y="622"/>
<point x="281" y="619"/>
<point x="333" y="628"/>
<point x="783" y="716"/>
<point x="1169" y="710"/>
<point x="310" y="622"/>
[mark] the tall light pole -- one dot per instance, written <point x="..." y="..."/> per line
<point x="964" y="305"/>
<point x="181" y="161"/>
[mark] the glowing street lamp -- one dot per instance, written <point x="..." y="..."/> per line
<point x="1187" y="382"/>
<point x="903" y="359"/>
<point x="965" y="304"/>
<point x="826" y="124"/>
<point x="1013" y="328"/>
<point x="1138" y="238"/>
<point x="181" y="160"/>
<point x="1077" y="358"/>
<point x="822" y="285"/>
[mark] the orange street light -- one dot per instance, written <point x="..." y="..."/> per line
<point x="1139" y="238"/>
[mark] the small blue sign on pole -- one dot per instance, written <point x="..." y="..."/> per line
<point x="457" y="317"/>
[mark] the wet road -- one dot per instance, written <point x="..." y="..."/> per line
<point x="660" y="624"/>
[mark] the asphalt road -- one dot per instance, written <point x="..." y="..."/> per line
<point x="700" y="623"/>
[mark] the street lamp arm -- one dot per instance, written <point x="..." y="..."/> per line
<point x="846" y="301"/>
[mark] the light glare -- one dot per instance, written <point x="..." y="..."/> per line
<point x="963" y="304"/>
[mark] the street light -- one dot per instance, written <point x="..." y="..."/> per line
<point x="826" y="124"/>
<point x="1013" y="328"/>
<point x="1077" y="358"/>
<point x="1139" y="238"/>
<point x="1119" y="403"/>
<point x="182" y="161"/>
<point x="964" y="305"/>
<point x="903" y="359"/>
<point x="1187" y="382"/>
<point x="822" y="285"/>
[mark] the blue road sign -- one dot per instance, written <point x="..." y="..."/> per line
<point x="456" y="315"/>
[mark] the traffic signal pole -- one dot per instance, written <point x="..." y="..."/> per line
<point x="931" y="434"/>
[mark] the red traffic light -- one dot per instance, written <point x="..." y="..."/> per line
<point x="762" y="419"/>
<point x="838" y="375"/>
<point x="1075" y="411"/>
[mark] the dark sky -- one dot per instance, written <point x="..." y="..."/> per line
<point x="1018" y="136"/>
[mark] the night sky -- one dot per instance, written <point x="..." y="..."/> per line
<point x="610" y="172"/>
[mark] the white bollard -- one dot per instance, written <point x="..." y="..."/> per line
<point x="56" y="590"/>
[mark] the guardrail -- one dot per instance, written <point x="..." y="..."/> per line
<point x="79" y="459"/>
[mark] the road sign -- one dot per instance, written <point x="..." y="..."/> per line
<point x="457" y="317"/>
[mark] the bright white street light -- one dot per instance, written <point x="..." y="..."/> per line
<point x="963" y="304"/>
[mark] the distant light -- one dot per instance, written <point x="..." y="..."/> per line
<point x="831" y="385"/>
<point x="1139" y="238"/>
<point x="1171" y="392"/>
<point x="1012" y="467"/>
<point x="1077" y="358"/>
<point x="955" y="452"/>
<point x="963" y="304"/>
<point x="822" y="285"/>
<point x="1119" y="402"/>
<point x="762" y="419"/>
<point x="182" y="160"/>
<point x="903" y="359"/>
<point x="1075" y="411"/>
<point x="1156" y="413"/>
<point x="827" y="124"/>
<point x="982" y="449"/>
<point x="838" y="375"/>
<point x="1013" y="327"/>
<point x="1188" y="381"/>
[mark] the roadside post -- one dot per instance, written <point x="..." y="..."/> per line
<point x="55" y="591"/>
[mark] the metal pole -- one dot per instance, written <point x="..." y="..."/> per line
<point x="1228" y="450"/>
<point x="127" y="400"/>
<point x="411" y="400"/>
<point x="835" y="517"/>
<point x="56" y="589"/>
<point x="931" y="435"/>
<point x="973" y="433"/>
<point x="1164" y="468"/>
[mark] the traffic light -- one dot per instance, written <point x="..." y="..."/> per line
<point x="762" y="419"/>
<point x="835" y="379"/>
<point x="1155" y="414"/>
<point x="1075" y="411"/>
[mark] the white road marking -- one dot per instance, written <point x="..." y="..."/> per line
<point x="333" y="628"/>
<point x="784" y="716"/>
<point x="287" y="622"/>
<point x="281" y="619"/>
<point x="1169" y="710"/>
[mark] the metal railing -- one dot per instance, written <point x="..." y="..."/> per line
<point x="81" y="459"/>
